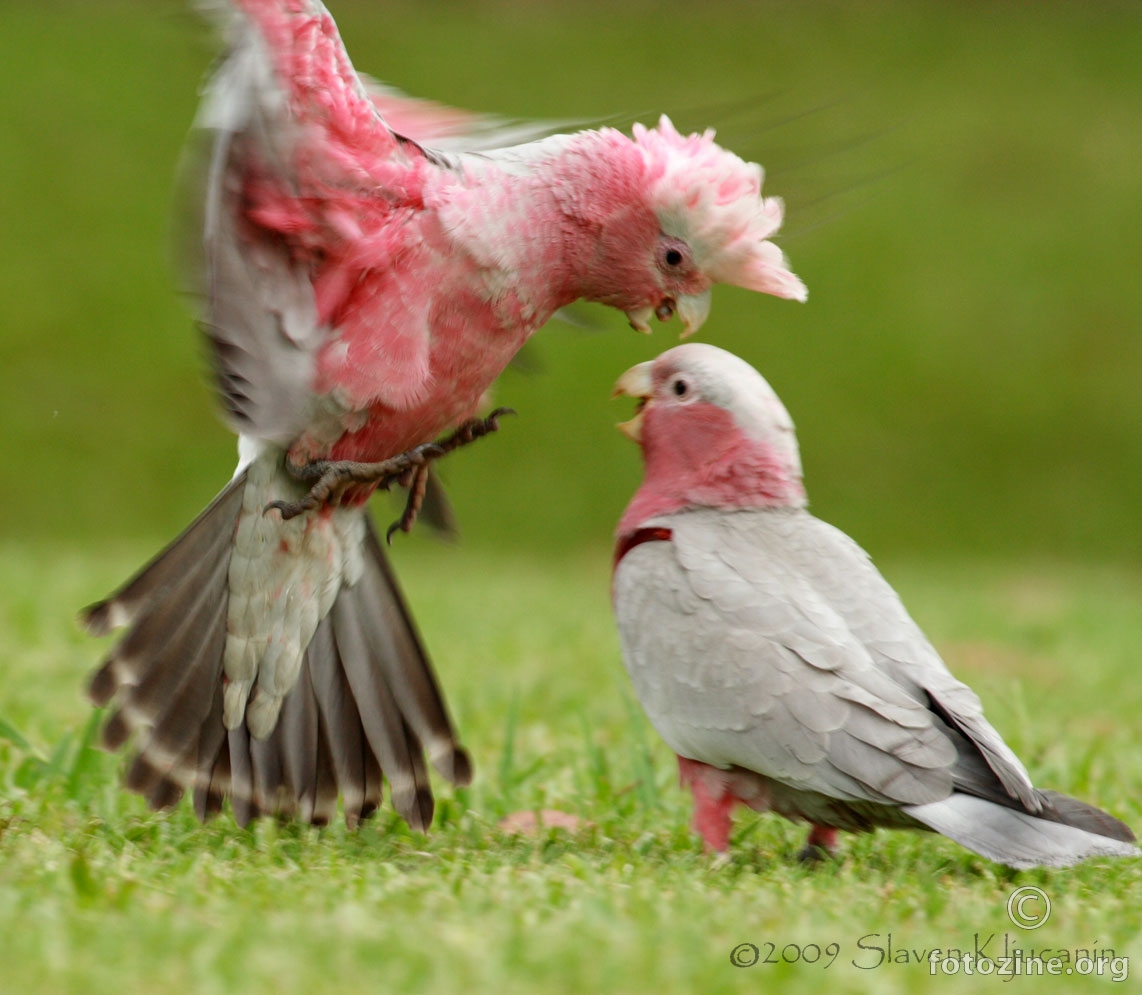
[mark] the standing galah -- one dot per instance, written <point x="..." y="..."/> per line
<point x="361" y="293"/>
<point x="775" y="660"/>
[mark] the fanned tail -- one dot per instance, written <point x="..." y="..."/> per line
<point x="366" y="700"/>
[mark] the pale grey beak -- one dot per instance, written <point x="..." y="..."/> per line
<point x="636" y="382"/>
<point x="694" y="310"/>
<point x="640" y="319"/>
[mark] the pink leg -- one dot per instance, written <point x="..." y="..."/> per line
<point x="713" y="803"/>
<point x="822" y="841"/>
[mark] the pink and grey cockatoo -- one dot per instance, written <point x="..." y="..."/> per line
<point x="778" y="664"/>
<point x="361" y="292"/>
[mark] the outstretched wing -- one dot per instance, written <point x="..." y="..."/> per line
<point x="301" y="179"/>
<point x="449" y="130"/>
<point x="287" y="141"/>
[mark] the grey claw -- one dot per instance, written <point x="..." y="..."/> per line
<point x="287" y="509"/>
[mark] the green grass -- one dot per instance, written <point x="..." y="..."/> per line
<point x="99" y="895"/>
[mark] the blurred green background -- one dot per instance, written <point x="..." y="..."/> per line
<point x="964" y="201"/>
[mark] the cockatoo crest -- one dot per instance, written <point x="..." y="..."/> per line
<point x="712" y="199"/>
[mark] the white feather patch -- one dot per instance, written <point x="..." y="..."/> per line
<point x="284" y="578"/>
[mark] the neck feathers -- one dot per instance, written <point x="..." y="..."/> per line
<point x="556" y="216"/>
<point x="697" y="457"/>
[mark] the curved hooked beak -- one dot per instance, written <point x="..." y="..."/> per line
<point x="636" y="382"/>
<point x="693" y="309"/>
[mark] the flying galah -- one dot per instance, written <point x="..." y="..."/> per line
<point x="778" y="664"/>
<point x="361" y="291"/>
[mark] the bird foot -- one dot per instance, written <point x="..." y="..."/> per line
<point x="821" y="845"/>
<point x="416" y="479"/>
<point x="330" y="479"/>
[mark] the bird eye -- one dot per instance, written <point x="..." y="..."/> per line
<point x="680" y="387"/>
<point x="673" y="254"/>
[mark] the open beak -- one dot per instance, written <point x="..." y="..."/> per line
<point x="693" y="309"/>
<point x="636" y="382"/>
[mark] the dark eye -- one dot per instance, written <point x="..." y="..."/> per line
<point x="673" y="254"/>
<point x="680" y="387"/>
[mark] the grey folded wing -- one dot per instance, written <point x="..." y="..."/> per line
<point x="767" y="640"/>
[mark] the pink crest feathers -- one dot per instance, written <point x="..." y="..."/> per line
<point x="712" y="199"/>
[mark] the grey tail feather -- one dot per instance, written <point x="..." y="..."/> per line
<point x="1072" y="812"/>
<point x="366" y="701"/>
<point x="1070" y="832"/>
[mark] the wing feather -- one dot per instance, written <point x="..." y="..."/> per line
<point x="767" y="674"/>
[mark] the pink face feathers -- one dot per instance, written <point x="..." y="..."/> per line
<point x="713" y="434"/>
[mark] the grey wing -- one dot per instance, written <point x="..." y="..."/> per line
<point x="747" y="664"/>
<point x="845" y="575"/>
<point x="255" y="298"/>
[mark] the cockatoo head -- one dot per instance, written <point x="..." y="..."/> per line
<point x="686" y="214"/>
<point x="713" y="432"/>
